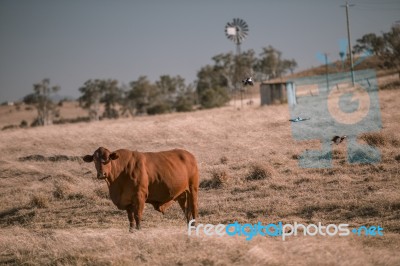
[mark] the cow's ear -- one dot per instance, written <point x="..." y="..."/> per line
<point x="113" y="156"/>
<point x="88" y="158"/>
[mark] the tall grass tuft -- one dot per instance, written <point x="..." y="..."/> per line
<point x="218" y="179"/>
<point x="39" y="201"/>
<point x="259" y="172"/>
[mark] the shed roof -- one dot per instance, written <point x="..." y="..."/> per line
<point x="283" y="80"/>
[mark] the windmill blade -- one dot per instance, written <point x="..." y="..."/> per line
<point x="237" y="30"/>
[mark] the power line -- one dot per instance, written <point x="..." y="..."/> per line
<point x="380" y="8"/>
<point x="380" y="2"/>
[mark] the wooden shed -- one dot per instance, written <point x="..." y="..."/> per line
<point x="278" y="91"/>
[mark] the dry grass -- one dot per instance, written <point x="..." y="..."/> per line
<point x="53" y="210"/>
<point x="380" y="139"/>
<point x="259" y="172"/>
<point x="218" y="180"/>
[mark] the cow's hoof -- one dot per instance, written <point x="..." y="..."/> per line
<point x="131" y="230"/>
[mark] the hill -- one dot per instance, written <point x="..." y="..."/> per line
<point x="54" y="211"/>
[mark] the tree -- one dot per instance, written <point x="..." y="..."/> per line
<point x="370" y="42"/>
<point x="43" y="103"/>
<point x="163" y="96"/>
<point x="289" y="65"/>
<point x="185" y="99"/>
<point x="211" y="87"/>
<point x="136" y="100"/>
<point x="391" y="52"/>
<point x="216" y="97"/>
<point x="91" y="97"/>
<point x="272" y="64"/>
<point x="245" y="63"/>
<point x="111" y="97"/>
<point x="233" y="68"/>
<point x="224" y="66"/>
<point x="385" y="47"/>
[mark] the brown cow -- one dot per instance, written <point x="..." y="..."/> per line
<point x="158" y="178"/>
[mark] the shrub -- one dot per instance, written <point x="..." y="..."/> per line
<point x="39" y="201"/>
<point x="374" y="139"/>
<point x="380" y="139"/>
<point x="391" y="85"/>
<point x="211" y="98"/>
<point x="218" y="179"/>
<point x="259" y="172"/>
<point x="223" y="160"/>
<point x="23" y="124"/>
<point x="159" y="108"/>
<point x="184" y="104"/>
<point x="61" y="191"/>
<point x="9" y="127"/>
<point x="72" y="120"/>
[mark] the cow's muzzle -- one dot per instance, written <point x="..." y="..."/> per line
<point x="101" y="175"/>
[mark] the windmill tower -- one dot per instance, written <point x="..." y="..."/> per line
<point x="237" y="31"/>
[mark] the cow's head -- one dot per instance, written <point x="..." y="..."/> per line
<point x="102" y="160"/>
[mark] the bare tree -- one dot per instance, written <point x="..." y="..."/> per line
<point x="41" y="99"/>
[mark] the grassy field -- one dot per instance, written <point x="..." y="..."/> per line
<point x="54" y="211"/>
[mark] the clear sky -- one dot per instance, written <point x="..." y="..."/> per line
<point x="72" y="41"/>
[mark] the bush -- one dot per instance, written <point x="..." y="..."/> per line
<point x="184" y="104"/>
<point x="61" y="191"/>
<point x="218" y="179"/>
<point x="391" y="85"/>
<point x="211" y="98"/>
<point x="23" y="124"/>
<point x="374" y="139"/>
<point x="39" y="201"/>
<point x="159" y="108"/>
<point x="380" y="139"/>
<point x="110" y="113"/>
<point x="259" y="172"/>
<point x="223" y="160"/>
<point x="9" y="127"/>
<point x="72" y="120"/>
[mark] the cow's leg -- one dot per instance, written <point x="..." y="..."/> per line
<point x="193" y="190"/>
<point x="156" y="205"/>
<point x="138" y="207"/>
<point x="183" y="202"/>
<point x="162" y="208"/>
<point x="129" y="210"/>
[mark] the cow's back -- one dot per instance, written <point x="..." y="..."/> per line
<point x="170" y="173"/>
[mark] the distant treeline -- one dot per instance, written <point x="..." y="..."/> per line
<point x="107" y="98"/>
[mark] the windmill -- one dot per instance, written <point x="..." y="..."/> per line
<point x="237" y="31"/>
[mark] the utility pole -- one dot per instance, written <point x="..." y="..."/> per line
<point x="327" y="72"/>
<point x="347" y="5"/>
